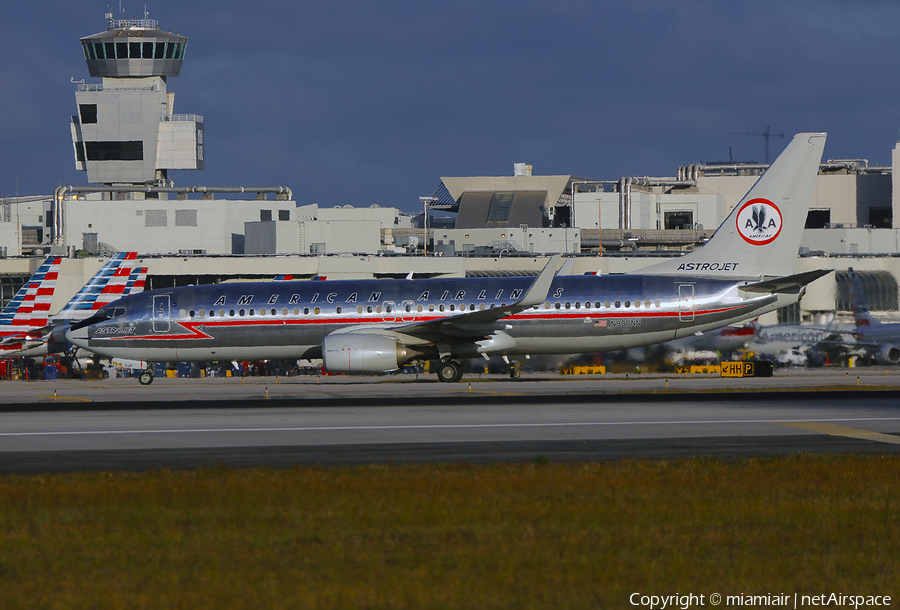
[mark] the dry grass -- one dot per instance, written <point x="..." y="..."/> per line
<point x="450" y="536"/>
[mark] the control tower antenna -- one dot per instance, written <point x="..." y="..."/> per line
<point x="766" y="135"/>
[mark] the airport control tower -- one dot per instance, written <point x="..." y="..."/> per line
<point x="126" y="131"/>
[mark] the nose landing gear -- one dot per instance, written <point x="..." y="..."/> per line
<point x="146" y="377"/>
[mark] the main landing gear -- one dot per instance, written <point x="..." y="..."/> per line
<point x="449" y="371"/>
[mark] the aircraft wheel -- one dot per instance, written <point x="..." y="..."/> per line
<point x="449" y="371"/>
<point x="145" y="378"/>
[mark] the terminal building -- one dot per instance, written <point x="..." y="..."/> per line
<point x="128" y="139"/>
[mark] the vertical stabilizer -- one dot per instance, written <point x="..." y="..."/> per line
<point x="31" y="305"/>
<point x="761" y="236"/>
<point x="136" y="281"/>
<point x="107" y="285"/>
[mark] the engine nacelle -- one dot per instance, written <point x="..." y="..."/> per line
<point x="888" y="354"/>
<point x="362" y="353"/>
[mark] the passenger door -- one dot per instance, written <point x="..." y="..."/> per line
<point x="161" y="311"/>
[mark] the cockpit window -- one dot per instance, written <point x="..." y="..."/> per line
<point x="117" y="312"/>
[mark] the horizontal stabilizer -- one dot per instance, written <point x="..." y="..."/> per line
<point x="789" y="283"/>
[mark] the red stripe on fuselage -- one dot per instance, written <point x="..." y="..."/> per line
<point x="195" y="333"/>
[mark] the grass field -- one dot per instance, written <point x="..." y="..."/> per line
<point x="573" y="535"/>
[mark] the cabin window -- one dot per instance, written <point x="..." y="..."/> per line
<point x="359" y="309"/>
<point x="472" y="307"/>
<point x="618" y="304"/>
<point x="577" y="305"/>
<point x="262" y="312"/>
<point x="627" y="303"/>
<point x="181" y="313"/>
<point x="441" y="308"/>
<point x="306" y="311"/>
<point x="252" y="312"/>
<point x="419" y="308"/>
<point x="558" y="305"/>
<point x="378" y="309"/>
<point x="339" y="310"/>
<point x="606" y="305"/>
<point x="273" y="311"/>
<point x="452" y="307"/>
<point x="316" y="311"/>
<point x="388" y="308"/>
<point x="296" y="311"/>
<point x="568" y="305"/>
<point x="657" y="302"/>
<point x="241" y="312"/>
<point x="431" y="308"/>
<point x="369" y="309"/>
<point x="284" y="311"/>
<point x="597" y="305"/>
<point x="481" y="306"/>
<point x="202" y="313"/>
<point x="409" y="307"/>
<point x="546" y="304"/>
<point x="587" y="304"/>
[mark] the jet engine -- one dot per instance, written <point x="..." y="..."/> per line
<point x="888" y="354"/>
<point x="362" y="353"/>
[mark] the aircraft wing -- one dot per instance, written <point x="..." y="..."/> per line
<point x="471" y="323"/>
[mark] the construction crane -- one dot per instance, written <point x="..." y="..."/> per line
<point x="766" y="134"/>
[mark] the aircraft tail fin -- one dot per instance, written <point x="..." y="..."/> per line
<point x="137" y="281"/>
<point x="107" y="285"/>
<point x="30" y="307"/>
<point x="761" y="235"/>
<point x="859" y="304"/>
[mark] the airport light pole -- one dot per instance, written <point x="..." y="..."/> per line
<point x="425" y="201"/>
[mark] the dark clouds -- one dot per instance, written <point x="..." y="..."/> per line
<point x="371" y="102"/>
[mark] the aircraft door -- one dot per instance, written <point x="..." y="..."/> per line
<point x="161" y="311"/>
<point x="686" y="302"/>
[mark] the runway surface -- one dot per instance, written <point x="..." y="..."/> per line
<point x="186" y="423"/>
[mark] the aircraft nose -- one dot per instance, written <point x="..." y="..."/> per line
<point x="78" y="336"/>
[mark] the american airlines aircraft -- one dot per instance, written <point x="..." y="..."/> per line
<point x="374" y="326"/>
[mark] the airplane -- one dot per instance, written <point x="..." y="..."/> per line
<point x="879" y="340"/>
<point x="40" y="335"/>
<point x="30" y="307"/>
<point x="376" y="326"/>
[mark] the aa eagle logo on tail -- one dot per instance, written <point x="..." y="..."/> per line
<point x="759" y="222"/>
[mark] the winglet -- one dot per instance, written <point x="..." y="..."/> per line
<point x="537" y="292"/>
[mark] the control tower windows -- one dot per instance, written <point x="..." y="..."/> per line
<point x="170" y="50"/>
<point x="148" y="50"/>
<point x="160" y="51"/>
<point x="114" y="151"/>
<point x="121" y="50"/>
<point x="134" y="50"/>
<point x="88" y="113"/>
<point x="110" y="48"/>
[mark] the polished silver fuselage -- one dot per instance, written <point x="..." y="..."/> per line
<point x="288" y="319"/>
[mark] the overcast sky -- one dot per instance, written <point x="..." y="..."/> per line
<point x="351" y="102"/>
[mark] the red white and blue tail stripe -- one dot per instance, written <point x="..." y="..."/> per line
<point x="31" y="305"/>
<point x="108" y="284"/>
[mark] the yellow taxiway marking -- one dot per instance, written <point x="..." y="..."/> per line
<point x="66" y="398"/>
<point x="835" y="430"/>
